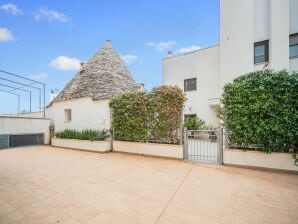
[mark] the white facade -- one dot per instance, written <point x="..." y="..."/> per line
<point x="85" y="114"/>
<point x="196" y="65"/>
<point x="242" y="24"/>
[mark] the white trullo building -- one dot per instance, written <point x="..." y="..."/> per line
<point x="84" y="101"/>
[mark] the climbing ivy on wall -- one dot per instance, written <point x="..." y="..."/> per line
<point x="148" y="116"/>
<point x="261" y="111"/>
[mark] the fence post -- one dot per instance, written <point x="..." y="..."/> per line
<point x="226" y="141"/>
<point x="220" y="146"/>
<point x="111" y="130"/>
<point x="181" y="128"/>
<point x="185" y="143"/>
<point x="52" y="129"/>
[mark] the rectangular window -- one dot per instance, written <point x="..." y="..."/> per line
<point x="67" y="115"/>
<point x="189" y="116"/>
<point x="294" y="45"/>
<point x="190" y="84"/>
<point x="261" y="52"/>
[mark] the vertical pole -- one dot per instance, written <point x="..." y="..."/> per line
<point x="181" y="128"/>
<point x="111" y="130"/>
<point x="226" y="135"/>
<point x="39" y="99"/>
<point x="44" y="100"/>
<point x="18" y="104"/>
<point x="185" y="144"/>
<point x="30" y="101"/>
<point x="220" y="146"/>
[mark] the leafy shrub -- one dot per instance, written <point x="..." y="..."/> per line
<point x="87" y="134"/>
<point x="194" y="124"/>
<point x="261" y="111"/>
<point x="153" y="116"/>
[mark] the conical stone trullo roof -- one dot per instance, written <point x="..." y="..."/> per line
<point x="102" y="77"/>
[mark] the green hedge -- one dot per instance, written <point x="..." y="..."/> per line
<point x="261" y="111"/>
<point x="154" y="116"/>
<point x="87" y="134"/>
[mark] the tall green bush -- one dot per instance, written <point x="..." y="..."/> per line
<point x="261" y="111"/>
<point x="153" y="116"/>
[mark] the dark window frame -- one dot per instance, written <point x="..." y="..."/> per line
<point x="185" y="85"/>
<point x="292" y="45"/>
<point x="189" y="116"/>
<point x="261" y="43"/>
<point x="67" y="115"/>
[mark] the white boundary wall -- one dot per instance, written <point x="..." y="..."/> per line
<point x="151" y="149"/>
<point x="25" y="125"/>
<point x="280" y="161"/>
<point x="97" y="146"/>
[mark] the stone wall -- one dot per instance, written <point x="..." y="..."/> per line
<point x="85" y="114"/>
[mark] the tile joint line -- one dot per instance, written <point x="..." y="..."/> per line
<point x="172" y="197"/>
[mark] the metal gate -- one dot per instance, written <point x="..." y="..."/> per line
<point x="15" y="140"/>
<point x="203" y="146"/>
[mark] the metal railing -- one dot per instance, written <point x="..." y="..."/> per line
<point x="17" y="85"/>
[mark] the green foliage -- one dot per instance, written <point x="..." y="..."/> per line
<point x="194" y="124"/>
<point x="261" y="111"/>
<point x="153" y="116"/>
<point x="87" y="134"/>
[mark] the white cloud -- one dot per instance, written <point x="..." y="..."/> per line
<point x="5" y="35"/>
<point x="38" y="76"/>
<point x="129" y="58"/>
<point x="160" y="46"/>
<point x="189" y="49"/>
<point x="11" y="9"/>
<point x="50" y="15"/>
<point x="66" y="63"/>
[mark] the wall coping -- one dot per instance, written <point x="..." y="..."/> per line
<point x="149" y="143"/>
<point x="86" y="140"/>
<point x="257" y="151"/>
<point x="38" y="118"/>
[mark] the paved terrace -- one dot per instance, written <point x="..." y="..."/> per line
<point x="51" y="185"/>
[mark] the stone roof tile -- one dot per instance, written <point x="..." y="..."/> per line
<point x="102" y="77"/>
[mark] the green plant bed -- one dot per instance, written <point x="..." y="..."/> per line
<point x="87" y="134"/>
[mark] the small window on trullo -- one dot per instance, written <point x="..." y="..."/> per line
<point x="67" y="115"/>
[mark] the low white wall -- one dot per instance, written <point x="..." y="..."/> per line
<point x="98" y="146"/>
<point x="280" y="161"/>
<point x="152" y="149"/>
<point x="25" y="125"/>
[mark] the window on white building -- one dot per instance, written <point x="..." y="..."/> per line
<point x="190" y="84"/>
<point x="67" y="115"/>
<point x="261" y="52"/>
<point x="294" y="45"/>
<point x="189" y="116"/>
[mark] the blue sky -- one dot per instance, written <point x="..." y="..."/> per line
<point x="45" y="40"/>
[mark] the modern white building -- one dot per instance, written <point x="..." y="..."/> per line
<point x="254" y="35"/>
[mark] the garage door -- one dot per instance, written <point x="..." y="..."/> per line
<point x="15" y="140"/>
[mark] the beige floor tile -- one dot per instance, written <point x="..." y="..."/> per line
<point x="44" y="213"/>
<point x="50" y="185"/>
<point x="5" y="209"/>
<point x="12" y="217"/>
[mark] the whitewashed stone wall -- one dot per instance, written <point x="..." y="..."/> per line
<point x="85" y="114"/>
